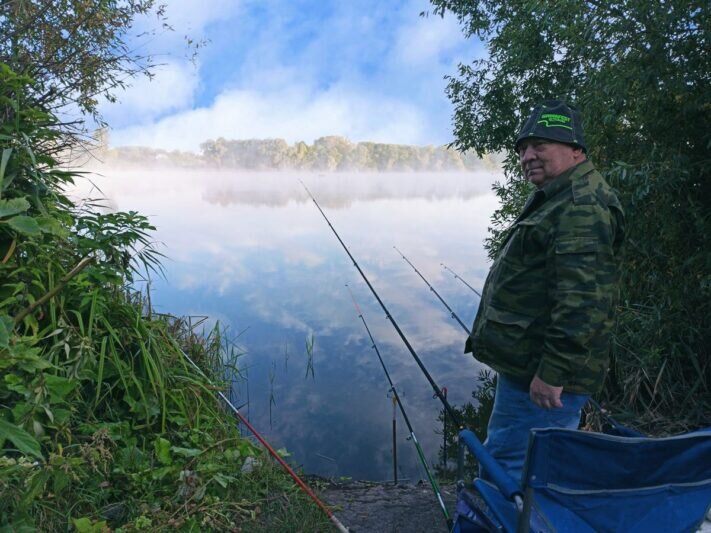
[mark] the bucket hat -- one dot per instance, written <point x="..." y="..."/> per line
<point x="554" y="120"/>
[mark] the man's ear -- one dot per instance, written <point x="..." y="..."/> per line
<point x="578" y="154"/>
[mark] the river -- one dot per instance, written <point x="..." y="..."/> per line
<point x="251" y="251"/>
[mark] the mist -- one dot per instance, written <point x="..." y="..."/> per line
<point x="278" y="188"/>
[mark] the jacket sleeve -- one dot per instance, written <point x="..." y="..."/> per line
<point x="581" y="268"/>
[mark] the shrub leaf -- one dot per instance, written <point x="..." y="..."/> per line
<point x="13" y="207"/>
<point x="22" y="440"/>
<point x="24" y="224"/>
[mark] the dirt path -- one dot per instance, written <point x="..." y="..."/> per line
<point x="365" y="506"/>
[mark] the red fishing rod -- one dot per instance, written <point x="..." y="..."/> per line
<point x="438" y="393"/>
<point x="336" y="522"/>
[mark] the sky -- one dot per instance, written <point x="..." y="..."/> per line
<point x="369" y="70"/>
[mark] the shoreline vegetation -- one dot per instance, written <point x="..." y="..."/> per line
<point x="326" y="154"/>
<point x="103" y="424"/>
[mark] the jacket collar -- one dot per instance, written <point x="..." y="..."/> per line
<point x="559" y="184"/>
<point x="564" y="180"/>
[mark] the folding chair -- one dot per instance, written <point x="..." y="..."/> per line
<point x="578" y="481"/>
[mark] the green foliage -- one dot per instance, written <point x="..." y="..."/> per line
<point x="326" y="154"/>
<point x="475" y="416"/>
<point x="640" y="73"/>
<point x="333" y="154"/>
<point x="75" y="50"/>
<point x="103" y="423"/>
<point x="21" y="440"/>
<point x="85" y="525"/>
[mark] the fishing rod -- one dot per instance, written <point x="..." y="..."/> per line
<point x="438" y="393"/>
<point x="454" y="315"/>
<point x="396" y="399"/>
<point x="271" y="451"/>
<point x="457" y="276"/>
<point x="470" y="438"/>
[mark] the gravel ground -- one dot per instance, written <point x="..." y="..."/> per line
<point x="365" y="506"/>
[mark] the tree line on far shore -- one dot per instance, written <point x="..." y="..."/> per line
<point x="326" y="154"/>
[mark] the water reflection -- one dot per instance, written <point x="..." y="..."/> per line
<point x="250" y="250"/>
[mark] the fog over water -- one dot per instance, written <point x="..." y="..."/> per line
<point x="250" y="249"/>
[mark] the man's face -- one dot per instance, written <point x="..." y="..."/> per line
<point x="542" y="160"/>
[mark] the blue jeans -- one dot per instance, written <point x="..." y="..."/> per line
<point x="514" y="415"/>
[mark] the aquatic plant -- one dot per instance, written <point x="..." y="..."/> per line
<point x="310" y="341"/>
<point x="272" y="401"/>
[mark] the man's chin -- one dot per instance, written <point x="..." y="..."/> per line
<point x="536" y="178"/>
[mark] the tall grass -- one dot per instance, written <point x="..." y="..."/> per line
<point x="103" y="423"/>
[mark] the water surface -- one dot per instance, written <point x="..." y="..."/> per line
<point x="250" y="250"/>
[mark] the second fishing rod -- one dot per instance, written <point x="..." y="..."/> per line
<point x="396" y="397"/>
<point x="434" y="291"/>
<point x="438" y="392"/>
<point x="454" y="315"/>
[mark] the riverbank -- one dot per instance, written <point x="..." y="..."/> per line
<point x="371" y="507"/>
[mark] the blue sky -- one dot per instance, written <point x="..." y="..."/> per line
<point x="294" y="69"/>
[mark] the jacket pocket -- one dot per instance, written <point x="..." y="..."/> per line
<point x="576" y="245"/>
<point x="577" y="264"/>
<point x="504" y="336"/>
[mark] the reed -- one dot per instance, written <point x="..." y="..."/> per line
<point x="310" y="343"/>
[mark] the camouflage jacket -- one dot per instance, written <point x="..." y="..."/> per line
<point x="548" y="302"/>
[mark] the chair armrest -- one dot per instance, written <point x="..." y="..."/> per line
<point x="508" y="487"/>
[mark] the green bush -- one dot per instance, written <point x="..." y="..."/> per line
<point x="103" y="423"/>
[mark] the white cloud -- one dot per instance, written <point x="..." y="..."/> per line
<point x="370" y="73"/>
<point x="175" y="77"/>
<point x="171" y="88"/>
<point x="293" y="114"/>
<point x="422" y="42"/>
<point x="303" y="257"/>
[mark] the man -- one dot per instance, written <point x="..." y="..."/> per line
<point x="546" y="312"/>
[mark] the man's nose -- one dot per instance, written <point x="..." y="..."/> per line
<point x="527" y="154"/>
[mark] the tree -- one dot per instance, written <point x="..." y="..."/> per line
<point x="74" y="50"/>
<point x="640" y="72"/>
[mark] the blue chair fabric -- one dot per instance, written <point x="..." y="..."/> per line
<point x="577" y="481"/>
